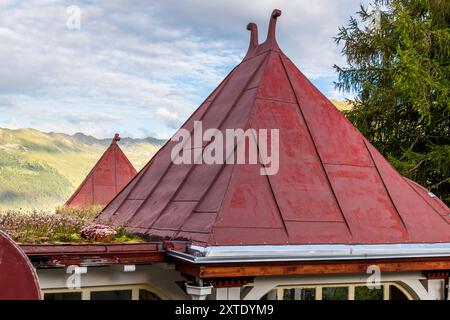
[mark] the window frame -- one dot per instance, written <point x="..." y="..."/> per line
<point x="351" y="289"/>
<point x="86" y="291"/>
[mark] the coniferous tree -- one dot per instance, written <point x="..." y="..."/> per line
<point x="398" y="68"/>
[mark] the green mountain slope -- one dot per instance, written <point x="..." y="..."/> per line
<point x="41" y="170"/>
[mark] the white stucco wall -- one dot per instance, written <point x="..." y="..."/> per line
<point x="162" y="280"/>
<point x="160" y="277"/>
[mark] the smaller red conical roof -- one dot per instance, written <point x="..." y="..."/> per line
<point x="107" y="178"/>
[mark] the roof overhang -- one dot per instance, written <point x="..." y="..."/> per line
<point x="50" y="256"/>
<point x="242" y="262"/>
<point x="220" y="264"/>
<point x="277" y="253"/>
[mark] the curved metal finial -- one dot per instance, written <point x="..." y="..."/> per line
<point x="253" y="28"/>
<point x="116" y="138"/>
<point x="273" y="21"/>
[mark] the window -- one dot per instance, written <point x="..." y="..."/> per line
<point x="299" y="294"/>
<point x="111" y="295"/>
<point x="124" y="292"/>
<point x="365" y="293"/>
<point x="147" y="295"/>
<point x="335" y="293"/>
<point x="355" y="291"/>
<point x="397" y="294"/>
<point x="63" y="296"/>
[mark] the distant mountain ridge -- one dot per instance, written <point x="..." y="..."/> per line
<point x="41" y="170"/>
<point x="123" y="140"/>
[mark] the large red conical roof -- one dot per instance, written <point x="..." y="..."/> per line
<point x="332" y="186"/>
<point x="109" y="175"/>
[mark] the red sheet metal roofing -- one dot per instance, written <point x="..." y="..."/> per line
<point x="110" y="174"/>
<point x="18" y="279"/>
<point x="332" y="186"/>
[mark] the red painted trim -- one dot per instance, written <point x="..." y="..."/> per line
<point x="58" y="249"/>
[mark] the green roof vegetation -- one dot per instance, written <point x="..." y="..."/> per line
<point x="66" y="225"/>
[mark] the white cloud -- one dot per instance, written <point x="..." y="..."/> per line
<point x="136" y="61"/>
<point x="172" y="119"/>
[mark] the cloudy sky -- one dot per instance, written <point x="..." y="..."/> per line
<point x="142" y="67"/>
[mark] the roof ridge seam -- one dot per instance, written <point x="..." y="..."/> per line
<point x="163" y="229"/>
<point x="264" y="62"/>
<point x="350" y="165"/>
<point x="327" y="221"/>
<point x="273" y="193"/>
<point x="315" y="148"/>
<point x="386" y="188"/>
<point x="444" y="217"/>
<point x="115" y="168"/>
<point x="192" y="231"/>
<point x="438" y="203"/>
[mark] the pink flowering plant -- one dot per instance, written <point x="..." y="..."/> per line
<point x="98" y="232"/>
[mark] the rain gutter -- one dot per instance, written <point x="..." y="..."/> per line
<point x="272" y="253"/>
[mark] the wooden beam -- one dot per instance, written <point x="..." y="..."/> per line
<point x="230" y="282"/>
<point x="311" y="267"/>
<point x="437" y="274"/>
<point x="186" y="267"/>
